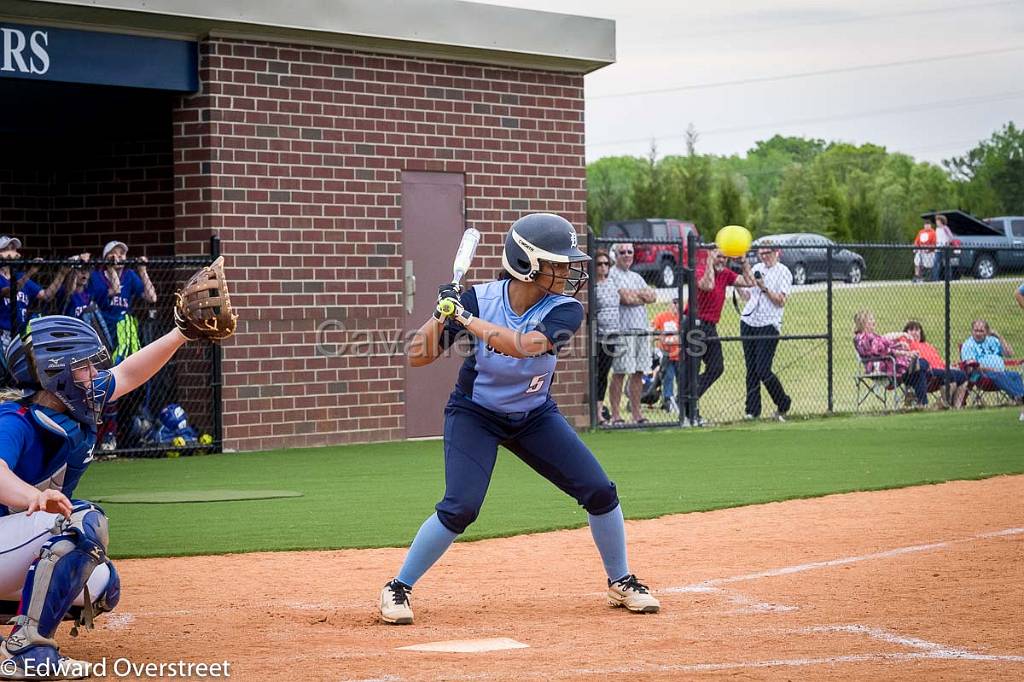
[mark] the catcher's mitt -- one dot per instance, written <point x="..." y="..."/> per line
<point x="202" y="307"/>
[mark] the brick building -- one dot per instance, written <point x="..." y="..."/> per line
<point x="338" y="152"/>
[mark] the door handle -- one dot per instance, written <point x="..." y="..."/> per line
<point x="410" y="287"/>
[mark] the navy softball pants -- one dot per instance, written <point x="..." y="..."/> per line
<point x="541" y="438"/>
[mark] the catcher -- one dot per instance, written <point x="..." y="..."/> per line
<point x="53" y="546"/>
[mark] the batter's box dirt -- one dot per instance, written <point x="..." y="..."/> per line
<point x="918" y="583"/>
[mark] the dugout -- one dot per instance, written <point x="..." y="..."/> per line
<point x="337" y="149"/>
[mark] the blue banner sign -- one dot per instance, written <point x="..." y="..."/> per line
<point x="70" y="56"/>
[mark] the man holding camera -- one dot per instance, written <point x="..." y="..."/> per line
<point x="760" y="326"/>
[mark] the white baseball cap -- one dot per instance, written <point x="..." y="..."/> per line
<point x="6" y="241"/>
<point x="113" y="245"/>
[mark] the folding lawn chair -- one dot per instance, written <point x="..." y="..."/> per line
<point x="877" y="378"/>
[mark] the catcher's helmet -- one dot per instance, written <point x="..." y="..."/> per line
<point x="62" y="355"/>
<point x="542" y="237"/>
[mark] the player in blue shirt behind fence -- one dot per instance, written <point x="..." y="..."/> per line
<point x="516" y="326"/>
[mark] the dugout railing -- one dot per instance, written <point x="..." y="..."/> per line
<point x="144" y="423"/>
<point x="816" y="359"/>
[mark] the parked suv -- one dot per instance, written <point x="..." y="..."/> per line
<point x="805" y="256"/>
<point x="984" y="247"/>
<point x="658" y="263"/>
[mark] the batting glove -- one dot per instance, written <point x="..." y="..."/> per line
<point x="449" y="291"/>
<point x="451" y="309"/>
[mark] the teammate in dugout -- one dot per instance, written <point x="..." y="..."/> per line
<point x="516" y="326"/>
<point x="53" y="546"/>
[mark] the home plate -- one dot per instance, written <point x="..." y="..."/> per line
<point x="468" y="646"/>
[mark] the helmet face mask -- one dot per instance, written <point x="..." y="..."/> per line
<point x="535" y="247"/>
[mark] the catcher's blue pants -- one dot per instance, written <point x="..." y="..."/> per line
<point x="541" y="438"/>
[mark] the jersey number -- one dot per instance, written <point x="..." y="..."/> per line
<point x="536" y="383"/>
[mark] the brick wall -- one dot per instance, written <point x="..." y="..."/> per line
<point x="294" y="156"/>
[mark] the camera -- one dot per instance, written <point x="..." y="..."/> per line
<point x="758" y="275"/>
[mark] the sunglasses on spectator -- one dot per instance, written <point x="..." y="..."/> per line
<point x="625" y="252"/>
<point x="602" y="262"/>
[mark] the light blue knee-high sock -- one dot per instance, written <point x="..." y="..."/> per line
<point x="431" y="541"/>
<point x="609" y="531"/>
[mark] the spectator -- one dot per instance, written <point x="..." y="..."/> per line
<point x="606" y="312"/>
<point x="635" y="355"/>
<point x="889" y="356"/>
<point x="1019" y="295"/>
<point x="28" y="290"/>
<point x="667" y="325"/>
<point x="73" y="296"/>
<point x="924" y="255"/>
<point x="937" y="369"/>
<point x="984" y="350"/>
<point x="115" y="290"/>
<point x="943" y="236"/>
<point x="713" y="279"/>
<point x="760" y="326"/>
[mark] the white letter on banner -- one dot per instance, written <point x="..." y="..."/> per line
<point x="13" y="52"/>
<point x="39" y="50"/>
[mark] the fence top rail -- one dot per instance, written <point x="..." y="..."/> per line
<point x="635" y="240"/>
<point x="100" y="263"/>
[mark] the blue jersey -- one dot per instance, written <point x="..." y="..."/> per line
<point x="114" y="306"/>
<point x="497" y="381"/>
<point x="45" y="448"/>
<point x="27" y="293"/>
<point x="76" y="303"/>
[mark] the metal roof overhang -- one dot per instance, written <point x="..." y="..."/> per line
<point x="440" y="29"/>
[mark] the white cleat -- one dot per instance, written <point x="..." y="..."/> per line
<point x="40" y="663"/>
<point x="394" y="604"/>
<point x="632" y="594"/>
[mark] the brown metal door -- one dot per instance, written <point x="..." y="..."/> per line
<point x="432" y="225"/>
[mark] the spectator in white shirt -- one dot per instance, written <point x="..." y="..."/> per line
<point x="762" y="317"/>
<point x="634" y="354"/>
<point x="943" y="236"/>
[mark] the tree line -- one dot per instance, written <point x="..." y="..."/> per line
<point x="794" y="184"/>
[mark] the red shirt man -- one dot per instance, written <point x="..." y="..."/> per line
<point x="713" y="278"/>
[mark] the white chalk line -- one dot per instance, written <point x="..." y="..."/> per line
<point x="932" y="649"/>
<point x="800" y="568"/>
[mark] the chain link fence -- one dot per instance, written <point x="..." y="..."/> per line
<point x="865" y="328"/>
<point x="178" y="411"/>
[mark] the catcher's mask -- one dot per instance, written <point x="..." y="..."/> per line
<point x="545" y="237"/>
<point x="63" y="355"/>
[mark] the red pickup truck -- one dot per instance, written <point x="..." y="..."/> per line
<point x="658" y="263"/>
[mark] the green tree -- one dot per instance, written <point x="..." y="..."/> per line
<point x="796" y="208"/>
<point x="690" y="188"/>
<point x="649" y="187"/>
<point x="610" y="189"/>
<point x="730" y="203"/>
<point x="991" y="175"/>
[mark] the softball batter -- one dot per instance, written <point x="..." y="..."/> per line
<point x="502" y="397"/>
<point x="53" y="546"/>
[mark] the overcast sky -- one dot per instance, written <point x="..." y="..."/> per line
<point x="939" y="106"/>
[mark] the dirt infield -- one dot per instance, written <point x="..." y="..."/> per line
<point x="919" y="583"/>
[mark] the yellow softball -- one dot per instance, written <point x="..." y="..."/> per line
<point x="447" y="307"/>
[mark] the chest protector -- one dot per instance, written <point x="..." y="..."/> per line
<point x="66" y="466"/>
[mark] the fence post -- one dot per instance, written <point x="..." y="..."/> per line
<point x="592" y="339"/>
<point x="691" y="362"/>
<point x="829" y="317"/>
<point x="946" y="274"/>
<point x="215" y="371"/>
<point x="13" y="291"/>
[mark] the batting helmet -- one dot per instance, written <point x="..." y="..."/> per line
<point x="541" y="237"/>
<point x="62" y="355"/>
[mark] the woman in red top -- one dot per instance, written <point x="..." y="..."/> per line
<point x="937" y="371"/>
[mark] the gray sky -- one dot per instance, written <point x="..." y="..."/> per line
<point x="931" y="109"/>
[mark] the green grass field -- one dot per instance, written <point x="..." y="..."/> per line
<point x="377" y="495"/>
<point x="801" y="365"/>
